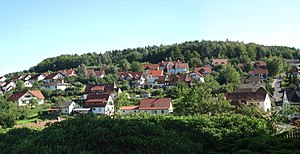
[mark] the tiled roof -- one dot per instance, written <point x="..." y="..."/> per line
<point x="90" y="88"/>
<point x="155" y="104"/>
<point x="260" y="63"/>
<point x="247" y="96"/>
<point x="133" y="75"/>
<point x="151" y="66"/>
<point x="180" y="77"/>
<point x="155" y="72"/>
<point x="67" y="104"/>
<point x="259" y="71"/>
<point x="18" y="95"/>
<point x="129" y="107"/>
<point x="203" y="70"/>
<point x="96" y="100"/>
<point x="219" y="61"/>
<point x="181" y="65"/>
<point x="34" y="77"/>
<point x="51" y="76"/>
<point x="253" y="79"/>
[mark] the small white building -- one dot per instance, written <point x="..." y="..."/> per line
<point x="54" y="76"/>
<point x="28" y="84"/>
<point x="9" y="86"/>
<point x="197" y="76"/>
<point x="152" y="76"/>
<point x="68" y="107"/>
<point x="2" y="78"/>
<point x="37" y="77"/>
<point x="23" y="98"/>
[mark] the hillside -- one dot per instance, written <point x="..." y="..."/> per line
<point x="193" y="52"/>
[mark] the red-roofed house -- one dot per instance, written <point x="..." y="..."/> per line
<point x="262" y="73"/>
<point x="261" y="97"/>
<point x="205" y="70"/>
<point x="100" y="103"/>
<point x="136" y="78"/>
<point x="151" y="105"/>
<point x="173" y="79"/>
<point x="96" y="72"/>
<point x="23" y="98"/>
<point x="9" y="86"/>
<point x="148" y="67"/>
<point x="37" y="77"/>
<point x="175" y="67"/>
<point x="153" y="75"/>
<point x="53" y="76"/>
<point x="216" y="62"/>
<point x="198" y="75"/>
<point x="260" y="65"/>
<point x="68" y="73"/>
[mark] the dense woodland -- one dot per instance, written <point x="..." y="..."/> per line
<point x="193" y="52"/>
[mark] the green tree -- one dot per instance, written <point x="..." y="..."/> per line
<point x="8" y="114"/>
<point x="20" y="85"/>
<point x="229" y="75"/>
<point x="82" y="71"/>
<point x="125" y="64"/>
<point x="275" y="65"/>
<point x="136" y="66"/>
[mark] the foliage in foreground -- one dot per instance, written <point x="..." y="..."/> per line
<point x="136" y="133"/>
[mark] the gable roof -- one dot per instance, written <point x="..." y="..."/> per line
<point x="67" y="72"/>
<point x="259" y="71"/>
<point x="293" y="94"/>
<point x="67" y="104"/>
<point x="253" y="79"/>
<point x="52" y="75"/>
<point x="18" y="95"/>
<point x="180" y="77"/>
<point x="219" y="61"/>
<point x="129" y="107"/>
<point x="155" y="104"/>
<point x="155" y="72"/>
<point x="260" y="63"/>
<point x="151" y="66"/>
<point x="92" y="88"/>
<point x="97" y="100"/>
<point x="36" y="76"/>
<point x="247" y="96"/>
<point x="203" y="70"/>
<point x="133" y="75"/>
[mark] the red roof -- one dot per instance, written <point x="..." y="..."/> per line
<point x="259" y="71"/>
<point x="151" y="66"/>
<point x="52" y="75"/>
<point x="203" y="70"/>
<point x="67" y="72"/>
<point x="96" y="100"/>
<point x="219" y="61"/>
<point x="92" y="88"/>
<point x="247" y="96"/>
<point x="155" y="72"/>
<point x="180" y="77"/>
<point x="129" y="107"/>
<point x="18" y="95"/>
<point x="155" y="104"/>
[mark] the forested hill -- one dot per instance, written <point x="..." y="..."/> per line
<point x="193" y="52"/>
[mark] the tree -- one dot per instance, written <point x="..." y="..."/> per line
<point x="136" y="66"/>
<point x="20" y="85"/>
<point x="229" y="75"/>
<point x="275" y="65"/>
<point x="8" y="114"/>
<point x="125" y="64"/>
<point x="82" y="71"/>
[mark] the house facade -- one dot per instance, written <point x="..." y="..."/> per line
<point x="136" y="79"/>
<point x="152" y="76"/>
<point x="23" y="98"/>
<point x="54" y="76"/>
<point x="262" y="73"/>
<point x="100" y="103"/>
<point x="68" y="107"/>
<point x="56" y="85"/>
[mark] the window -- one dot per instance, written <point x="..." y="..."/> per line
<point x="123" y="111"/>
<point x="66" y="111"/>
<point x="162" y="111"/>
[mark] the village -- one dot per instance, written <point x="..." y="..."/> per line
<point x="101" y="98"/>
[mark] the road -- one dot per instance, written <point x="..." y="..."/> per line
<point x="277" y="89"/>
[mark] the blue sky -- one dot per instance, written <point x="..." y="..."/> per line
<point x="33" y="30"/>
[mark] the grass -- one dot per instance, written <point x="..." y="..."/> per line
<point x="36" y="117"/>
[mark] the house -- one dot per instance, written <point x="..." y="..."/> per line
<point x="197" y="76"/>
<point x="205" y="70"/>
<point x="293" y="62"/>
<point x="9" y="86"/>
<point x="28" y="84"/>
<point x="56" y="85"/>
<point x="37" y="77"/>
<point x="100" y="103"/>
<point x="262" y="73"/>
<point x="260" y="65"/>
<point x="2" y="78"/>
<point x="135" y="78"/>
<point x="173" y="79"/>
<point x="26" y="77"/>
<point x="150" y="105"/>
<point x="101" y="88"/>
<point x="153" y="75"/>
<point x="148" y="67"/>
<point x="161" y="81"/>
<point x="54" y="76"/>
<point x="68" y="73"/>
<point x="291" y="97"/>
<point x="23" y="98"/>
<point x="68" y="107"/>
<point x="253" y="79"/>
<point x="95" y="72"/>
<point x="261" y="97"/>
<point x="216" y="62"/>
<point x="145" y="94"/>
<point x="295" y="71"/>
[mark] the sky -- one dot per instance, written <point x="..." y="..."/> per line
<point x="33" y="30"/>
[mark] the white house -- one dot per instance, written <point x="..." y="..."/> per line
<point x="177" y="67"/>
<point x="27" y="84"/>
<point x="197" y="76"/>
<point x="153" y="75"/>
<point x="136" y="78"/>
<point x="54" y="76"/>
<point x="68" y="107"/>
<point x="56" y="85"/>
<point x="2" y="78"/>
<point x="9" y="86"/>
<point x="37" y="77"/>
<point x="151" y="105"/>
<point x="261" y="97"/>
<point x="100" y="103"/>
<point x="23" y="98"/>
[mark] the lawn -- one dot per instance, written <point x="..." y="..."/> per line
<point x="35" y="114"/>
